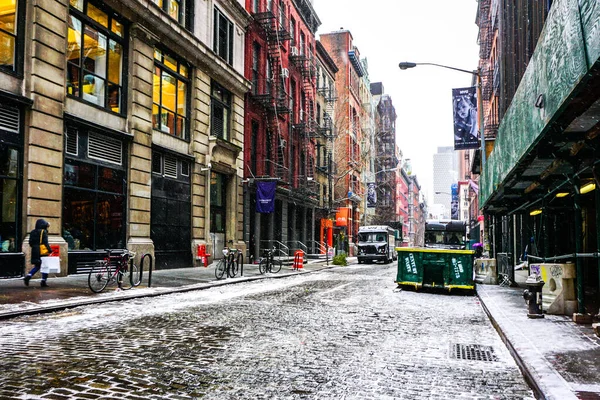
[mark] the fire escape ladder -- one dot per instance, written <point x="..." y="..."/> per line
<point x="281" y="166"/>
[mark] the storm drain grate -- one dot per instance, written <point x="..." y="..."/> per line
<point x="472" y="352"/>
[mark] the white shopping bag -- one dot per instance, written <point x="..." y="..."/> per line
<point x="50" y="265"/>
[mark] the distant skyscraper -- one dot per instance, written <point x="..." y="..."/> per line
<point x="445" y="173"/>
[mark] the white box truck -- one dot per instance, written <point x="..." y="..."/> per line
<point x="376" y="243"/>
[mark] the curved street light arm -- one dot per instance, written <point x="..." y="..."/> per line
<point x="407" y="65"/>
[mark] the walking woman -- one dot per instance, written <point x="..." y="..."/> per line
<point x="37" y="238"/>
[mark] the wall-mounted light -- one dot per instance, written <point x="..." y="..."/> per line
<point x="207" y="168"/>
<point x="562" y="194"/>
<point x="535" y="212"/>
<point x="588" y="187"/>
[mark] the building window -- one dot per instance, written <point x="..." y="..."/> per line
<point x="94" y="193"/>
<point x="220" y="111"/>
<point x="11" y="34"/>
<point x="256" y="49"/>
<point x="254" y="131"/>
<point x="179" y="10"/>
<point x="255" y="6"/>
<point x="223" y="37"/>
<point x="218" y="184"/>
<point x="293" y="31"/>
<point x="170" y="95"/>
<point x="96" y="48"/>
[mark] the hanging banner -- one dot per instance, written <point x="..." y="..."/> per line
<point x="341" y="217"/>
<point x="265" y="196"/>
<point x="466" y="129"/>
<point x="454" y="203"/>
<point x="371" y="195"/>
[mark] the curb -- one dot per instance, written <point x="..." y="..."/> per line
<point x="529" y="378"/>
<point x="148" y="292"/>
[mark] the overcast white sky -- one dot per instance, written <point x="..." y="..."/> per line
<point x="387" y="32"/>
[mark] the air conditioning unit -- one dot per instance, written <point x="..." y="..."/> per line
<point x="301" y="115"/>
<point x="293" y="51"/>
<point x="285" y="72"/>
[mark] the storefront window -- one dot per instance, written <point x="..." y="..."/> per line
<point x="95" y="56"/>
<point x="9" y="162"/>
<point x="94" y="203"/>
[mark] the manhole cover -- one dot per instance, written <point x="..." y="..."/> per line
<point x="473" y="352"/>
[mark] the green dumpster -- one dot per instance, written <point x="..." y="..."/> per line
<point x="448" y="269"/>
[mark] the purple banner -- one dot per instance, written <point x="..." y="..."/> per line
<point x="464" y="102"/>
<point x="265" y="196"/>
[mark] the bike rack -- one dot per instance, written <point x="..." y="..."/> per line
<point x="149" y="269"/>
<point x="240" y="262"/>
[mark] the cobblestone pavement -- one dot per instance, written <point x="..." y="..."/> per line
<point x="342" y="333"/>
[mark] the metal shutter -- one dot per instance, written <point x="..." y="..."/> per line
<point x="71" y="142"/>
<point x="105" y="148"/>
<point x="9" y="118"/>
<point x="170" y="167"/>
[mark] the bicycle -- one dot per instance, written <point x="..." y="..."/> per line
<point x="233" y="262"/>
<point x="117" y="268"/>
<point x="227" y="264"/>
<point x="268" y="263"/>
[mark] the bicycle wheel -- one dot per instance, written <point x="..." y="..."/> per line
<point x="99" y="276"/>
<point x="262" y="266"/>
<point x="233" y="268"/>
<point x="128" y="277"/>
<point x="276" y="265"/>
<point x="220" y="269"/>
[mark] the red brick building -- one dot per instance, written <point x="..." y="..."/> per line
<point x="280" y="125"/>
<point x="348" y="126"/>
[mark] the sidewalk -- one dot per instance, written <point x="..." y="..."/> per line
<point x="16" y="299"/>
<point x="560" y="359"/>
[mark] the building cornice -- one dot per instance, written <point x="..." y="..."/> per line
<point x="308" y="14"/>
<point x="158" y="28"/>
<point x="237" y="11"/>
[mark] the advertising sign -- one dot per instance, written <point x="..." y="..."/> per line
<point x="466" y="129"/>
<point x="454" y="202"/>
<point x="371" y="195"/>
<point x="341" y="217"/>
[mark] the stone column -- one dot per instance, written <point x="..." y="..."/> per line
<point x="140" y="116"/>
<point x="43" y="158"/>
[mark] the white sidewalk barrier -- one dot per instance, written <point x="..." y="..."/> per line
<point x="558" y="293"/>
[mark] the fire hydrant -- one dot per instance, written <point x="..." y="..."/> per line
<point x="533" y="296"/>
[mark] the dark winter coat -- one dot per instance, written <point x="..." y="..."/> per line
<point x="34" y="240"/>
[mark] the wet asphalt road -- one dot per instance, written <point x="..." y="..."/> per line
<point x="345" y="333"/>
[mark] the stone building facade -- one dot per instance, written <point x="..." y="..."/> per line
<point x="124" y="122"/>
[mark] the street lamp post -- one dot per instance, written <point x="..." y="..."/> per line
<point x="477" y="73"/>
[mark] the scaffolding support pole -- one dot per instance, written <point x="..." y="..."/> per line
<point x="578" y="249"/>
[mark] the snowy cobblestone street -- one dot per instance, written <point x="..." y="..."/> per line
<point x="342" y="333"/>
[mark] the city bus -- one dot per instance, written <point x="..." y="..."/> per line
<point x="446" y="234"/>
